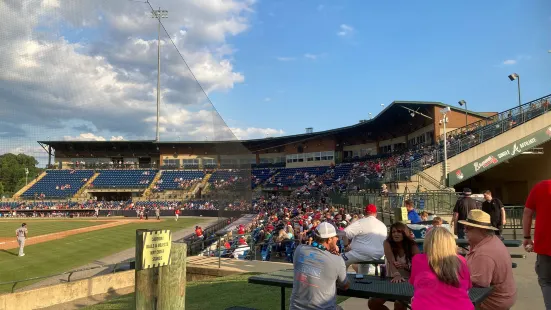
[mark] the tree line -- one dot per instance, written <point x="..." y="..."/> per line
<point x="12" y="172"/>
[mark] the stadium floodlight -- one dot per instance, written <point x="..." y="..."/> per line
<point x="158" y="14"/>
<point x="513" y="77"/>
<point x="443" y="121"/>
<point x="370" y="116"/>
<point x="464" y="103"/>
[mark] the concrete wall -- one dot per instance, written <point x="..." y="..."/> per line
<point x="197" y="268"/>
<point x="65" y="292"/>
<point x="490" y="146"/>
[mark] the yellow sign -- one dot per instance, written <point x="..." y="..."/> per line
<point x="156" y="248"/>
<point x="401" y="214"/>
<point x="404" y="214"/>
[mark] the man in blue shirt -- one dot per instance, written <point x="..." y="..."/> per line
<point x="413" y="217"/>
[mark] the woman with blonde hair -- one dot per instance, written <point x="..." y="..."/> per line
<point x="440" y="277"/>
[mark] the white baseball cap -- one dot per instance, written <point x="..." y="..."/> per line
<point x="326" y="230"/>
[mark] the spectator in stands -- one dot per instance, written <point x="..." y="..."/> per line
<point x="317" y="271"/>
<point x="489" y="261"/>
<point x="413" y="217"/>
<point x="538" y="201"/>
<point x="461" y="211"/>
<point x="437" y="222"/>
<point x="399" y="249"/>
<point x="366" y="237"/>
<point x="494" y="207"/>
<point x="440" y="277"/>
<point x="424" y="216"/>
<point x="199" y="232"/>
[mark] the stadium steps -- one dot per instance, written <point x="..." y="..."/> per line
<point x="204" y="184"/>
<point x="85" y="186"/>
<point x="157" y="177"/>
<point x="26" y="187"/>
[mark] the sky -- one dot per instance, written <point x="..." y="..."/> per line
<point x="87" y="69"/>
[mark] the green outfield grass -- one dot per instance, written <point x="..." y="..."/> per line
<point x="217" y="294"/>
<point x="43" y="227"/>
<point x="74" y="251"/>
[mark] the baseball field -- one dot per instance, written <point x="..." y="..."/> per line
<point x="59" y="245"/>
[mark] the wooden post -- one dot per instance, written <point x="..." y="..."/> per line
<point x="172" y="280"/>
<point x="160" y="287"/>
<point x="146" y="279"/>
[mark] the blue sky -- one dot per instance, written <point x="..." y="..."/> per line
<point x="328" y="64"/>
<point x="87" y="70"/>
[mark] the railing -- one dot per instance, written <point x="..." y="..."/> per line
<point x="503" y="115"/>
<point x="423" y="177"/>
<point x="435" y="202"/>
<point x="68" y="273"/>
<point x="196" y="246"/>
<point x="486" y="130"/>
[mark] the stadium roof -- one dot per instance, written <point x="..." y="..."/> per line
<point x="393" y="121"/>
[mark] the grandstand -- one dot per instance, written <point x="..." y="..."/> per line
<point x="392" y="147"/>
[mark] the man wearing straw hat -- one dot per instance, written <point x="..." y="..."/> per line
<point x="489" y="261"/>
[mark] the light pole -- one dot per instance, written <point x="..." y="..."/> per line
<point x="158" y="14"/>
<point x="464" y="103"/>
<point x="26" y="176"/>
<point x="513" y="77"/>
<point x="443" y="121"/>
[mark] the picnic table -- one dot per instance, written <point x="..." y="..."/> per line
<point x="370" y="286"/>
<point x="464" y="243"/>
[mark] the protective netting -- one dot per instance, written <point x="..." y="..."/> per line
<point x="86" y="70"/>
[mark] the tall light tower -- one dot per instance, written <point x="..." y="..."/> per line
<point x="464" y="103"/>
<point x="444" y="121"/>
<point x="513" y="77"/>
<point x="158" y="14"/>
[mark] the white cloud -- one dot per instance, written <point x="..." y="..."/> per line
<point x="313" y="56"/>
<point x="256" y="133"/>
<point x="267" y="99"/>
<point x="94" y="62"/>
<point x="285" y="58"/>
<point x="88" y="136"/>
<point x="509" y="62"/>
<point x="345" y="30"/>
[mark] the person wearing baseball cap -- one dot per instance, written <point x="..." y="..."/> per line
<point x="366" y="237"/>
<point x="461" y="210"/>
<point x="318" y="269"/>
<point x="489" y="261"/>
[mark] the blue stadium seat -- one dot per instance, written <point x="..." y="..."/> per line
<point x="141" y="178"/>
<point x="295" y="176"/>
<point x="168" y="178"/>
<point x="59" y="183"/>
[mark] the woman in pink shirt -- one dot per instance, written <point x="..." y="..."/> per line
<point x="440" y="277"/>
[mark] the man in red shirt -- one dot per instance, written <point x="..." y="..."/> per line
<point x="539" y="201"/>
<point x="199" y="232"/>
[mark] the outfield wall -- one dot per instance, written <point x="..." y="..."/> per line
<point x="131" y="213"/>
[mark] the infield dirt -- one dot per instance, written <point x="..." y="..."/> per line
<point x="11" y="243"/>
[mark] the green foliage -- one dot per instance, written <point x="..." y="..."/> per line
<point x="12" y="172"/>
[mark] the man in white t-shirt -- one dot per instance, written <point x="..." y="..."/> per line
<point x="367" y="235"/>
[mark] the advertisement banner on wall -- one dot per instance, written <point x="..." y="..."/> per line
<point x="503" y="154"/>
